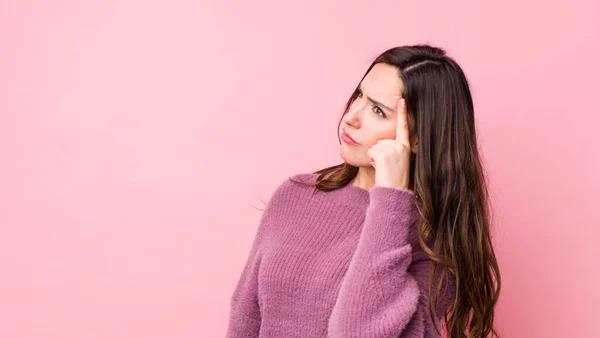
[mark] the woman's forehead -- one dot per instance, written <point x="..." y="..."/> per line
<point x="383" y="83"/>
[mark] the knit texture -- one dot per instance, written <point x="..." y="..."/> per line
<point x="344" y="263"/>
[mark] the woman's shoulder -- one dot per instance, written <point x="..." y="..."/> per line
<point x="304" y="177"/>
<point x="290" y="193"/>
<point x="288" y="188"/>
<point x="290" y="183"/>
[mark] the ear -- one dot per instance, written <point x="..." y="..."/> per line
<point x="415" y="145"/>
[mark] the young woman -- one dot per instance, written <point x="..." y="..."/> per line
<point x="392" y="239"/>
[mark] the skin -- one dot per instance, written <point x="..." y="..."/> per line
<point x="383" y="150"/>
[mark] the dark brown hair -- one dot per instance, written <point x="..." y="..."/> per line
<point x="449" y="183"/>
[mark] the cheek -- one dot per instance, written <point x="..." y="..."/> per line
<point x="381" y="133"/>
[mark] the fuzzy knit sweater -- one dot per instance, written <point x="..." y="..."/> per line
<point x="344" y="263"/>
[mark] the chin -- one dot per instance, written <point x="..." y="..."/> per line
<point x="352" y="159"/>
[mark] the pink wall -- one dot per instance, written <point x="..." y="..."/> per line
<point x="136" y="139"/>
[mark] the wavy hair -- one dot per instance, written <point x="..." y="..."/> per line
<point x="449" y="185"/>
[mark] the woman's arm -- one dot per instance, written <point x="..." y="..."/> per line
<point x="378" y="297"/>
<point x="244" y="314"/>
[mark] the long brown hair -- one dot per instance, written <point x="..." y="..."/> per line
<point x="449" y="183"/>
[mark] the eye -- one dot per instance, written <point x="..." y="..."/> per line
<point x="376" y="110"/>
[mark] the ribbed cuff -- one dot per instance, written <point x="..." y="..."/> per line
<point x="390" y="215"/>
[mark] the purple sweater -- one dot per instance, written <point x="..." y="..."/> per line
<point x="344" y="263"/>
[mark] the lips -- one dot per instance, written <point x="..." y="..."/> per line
<point x="350" y="137"/>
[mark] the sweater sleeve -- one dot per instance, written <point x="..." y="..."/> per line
<point x="244" y="314"/>
<point x="378" y="297"/>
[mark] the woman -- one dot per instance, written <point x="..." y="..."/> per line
<point x="392" y="239"/>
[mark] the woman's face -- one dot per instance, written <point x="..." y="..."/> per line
<point x="368" y="122"/>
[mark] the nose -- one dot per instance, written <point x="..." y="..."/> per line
<point x="352" y="117"/>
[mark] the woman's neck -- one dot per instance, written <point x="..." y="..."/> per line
<point x="365" y="178"/>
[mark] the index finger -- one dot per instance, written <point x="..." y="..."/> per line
<point x="402" y="132"/>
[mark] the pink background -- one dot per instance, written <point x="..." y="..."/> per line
<point x="138" y="138"/>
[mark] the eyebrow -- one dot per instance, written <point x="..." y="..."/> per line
<point x="376" y="102"/>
